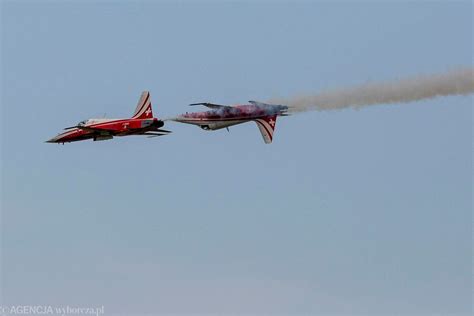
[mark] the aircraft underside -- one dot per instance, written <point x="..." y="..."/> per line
<point x="266" y="125"/>
<point x="212" y="125"/>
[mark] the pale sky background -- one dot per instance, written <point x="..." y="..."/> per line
<point x="347" y="212"/>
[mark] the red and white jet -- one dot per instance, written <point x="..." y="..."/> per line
<point x="223" y="116"/>
<point x="142" y="122"/>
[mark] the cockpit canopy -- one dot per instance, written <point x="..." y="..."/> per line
<point x="82" y="123"/>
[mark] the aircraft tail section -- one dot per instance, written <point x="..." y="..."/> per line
<point x="266" y="125"/>
<point x="143" y="109"/>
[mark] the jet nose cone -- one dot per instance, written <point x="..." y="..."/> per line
<point x="52" y="140"/>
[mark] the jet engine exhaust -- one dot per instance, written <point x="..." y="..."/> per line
<point x="411" y="89"/>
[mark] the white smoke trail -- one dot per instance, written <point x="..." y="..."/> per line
<point x="455" y="82"/>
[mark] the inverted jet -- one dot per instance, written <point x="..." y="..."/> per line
<point x="224" y="116"/>
<point x="142" y="122"/>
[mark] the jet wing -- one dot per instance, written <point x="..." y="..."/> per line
<point x="211" y="105"/>
<point x="159" y="132"/>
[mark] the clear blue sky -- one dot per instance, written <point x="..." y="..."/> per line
<point x="347" y="212"/>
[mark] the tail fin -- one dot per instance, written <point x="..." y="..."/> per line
<point x="266" y="125"/>
<point x="143" y="109"/>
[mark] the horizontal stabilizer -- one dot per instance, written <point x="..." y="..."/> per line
<point x="161" y="131"/>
